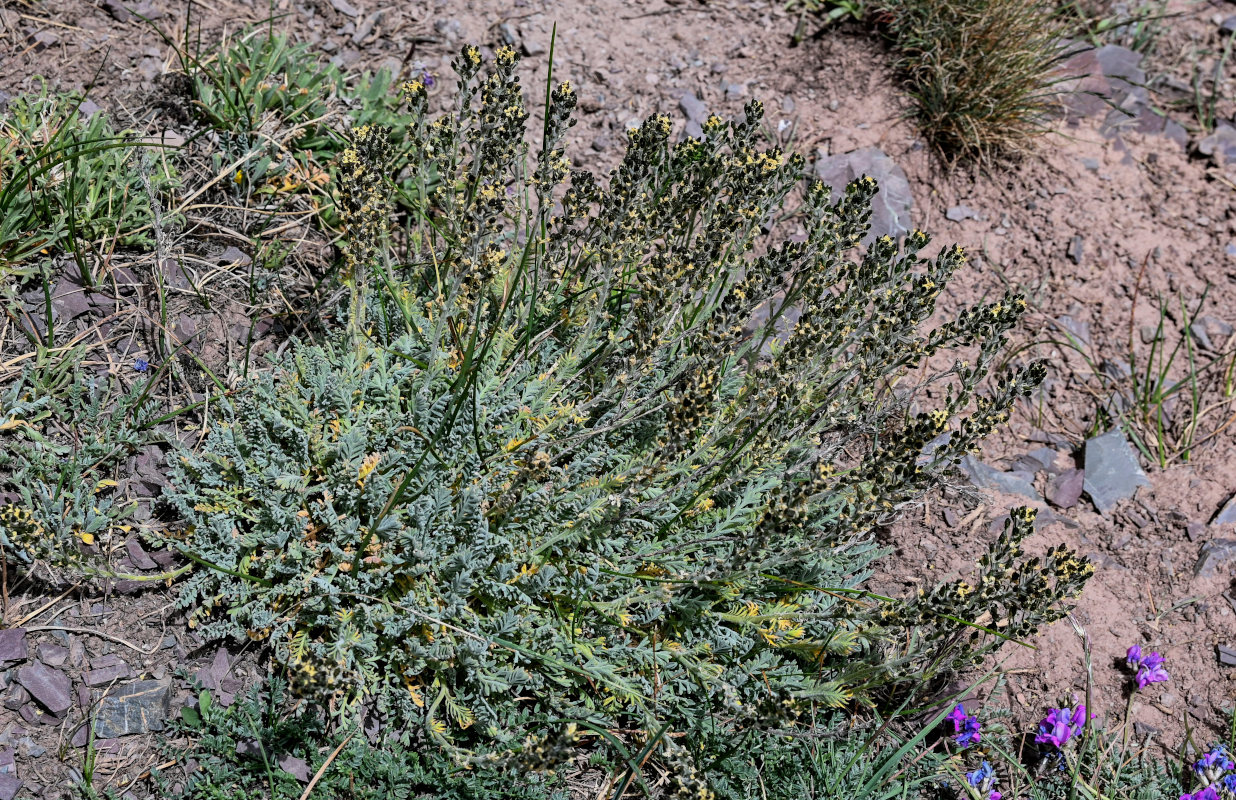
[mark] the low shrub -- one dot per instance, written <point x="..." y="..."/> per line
<point x="549" y="485"/>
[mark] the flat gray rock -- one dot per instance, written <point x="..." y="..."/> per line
<point x="13" y="646"/>
<point x="9" y="784"/>
<point x="959" y="213"/>
<point x="1226" y="515"/>
<point x="893" y="204"/>
<point x="140" y="707"/>
<point x="1227" y="656"/>
<point x="986" y="476"/>
<point x="50" y="687"/>
<point x="1112" y="471"/>
<point x="1220" y="145"/>
<point x="696" y="111"/>
<point x="1215" y="554"/>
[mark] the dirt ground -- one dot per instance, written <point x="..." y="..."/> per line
<point x="1096" y="226"/>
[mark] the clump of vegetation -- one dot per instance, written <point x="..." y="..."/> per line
<point x="548" y="485"/>
<point x="69" y="179"/>
<point x="981" y="74"/>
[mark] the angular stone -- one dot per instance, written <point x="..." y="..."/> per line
<point x="1226" y="515"/>
<point x="53" y="655"/>
<point x="9" y="785"/>
<point x="986" y="476"/>
<point x="1112" y="472"/>
<point x="140" y="707"/>
<point x="696" y="111"/>
<point x="1214" y="554"/>
<point x="960" y="212"/>
<point x="892" y="206"/>
<point x="50" y="687"/>
<point x="102" y="676"/>
<point x="138" y="555"/>
<point x="298" y="768"/>
<point x="1220" y="145"/>
<point x="1227" y="655"/>
<point x="13" y="646"/>
<point x="1077" y="248"/>
<point x="1065" y="489"/>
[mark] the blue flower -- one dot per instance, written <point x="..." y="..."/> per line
<point x="967" y="729"/>
<point x="983" y="773"/>
<point x="141" y="365"/>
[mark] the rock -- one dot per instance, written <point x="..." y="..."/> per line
<point x="1214" y="554"/>
<point x="1208" y="329"/>
<point x="1076" y="328"/>
<point x="1220" y="145"/>
<point x="950" y="518"/>
<point x="959" y="213"/>
<point x="1076" y="248"/>
<point x="13" y="646"/>
<point x="365" y="28"/>
<point x="50" y="687"/>
<point x="105" y="673"/>
<point x="1167" y="699"/>
<point x="9" y="784"/>
<point x="233" y="257"/>
<point x="249" y="747"/>
<point x="1091" y="164"/>
<point x="349" y="10"/>
<point x="1142" y="730"/>
<point x="16" y="697"/>
<point x="532" y="47"/>
<point x="140" y="707"/>
<point x="1046" y="457"/>
<point x="1226" y="516"/>
<point x="1227" y="655"/>
<point x="1195" y="531"/>
<point x="298" y="768"/>
<point x="53" y="655"/>
<point x="117" y="11"/>
<point x="1111" y="470"/>
<point x="1065" y="489"/>
<point x="1228" y="25"/>
<point x="892" y="206"/>
<point x="696" y="111"/>
<point x="986" y="476"/>
<point x="735" y="91"/>
<point x="138" y="555"/>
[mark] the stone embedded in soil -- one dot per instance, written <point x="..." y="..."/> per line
<point x="1112" y="472"/>
<point x="298" y="768"/>
<point x="9" y="786"/>
<point x="140" y="707"/>
<point x="986" y="476"/>
<point x="13" y="646"/>
<point x="1227" y="514"/>
<point x="53" y="655"/>
<point x="1220" y="145"/>
<point x="961" y="212"/>
<point x="892" y="206"/>
<point x="1077" y="248"/>
<point x="1227" y="655"/>
<point x="138" y="555"/>
<point x="349" y="10"/>
<point x="103" y="675"/>
<point x="696" y="111"/>
<point x="50" y="687"/>
<point x="1215" y="554"/>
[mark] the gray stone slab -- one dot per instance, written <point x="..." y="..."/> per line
<point x="139" y="707"/>
<point x="986" y="476"/>
<point x="52" y="688"/>
<point x="1227" y="514"/>
<point x="893" y="204"/>
<point x="1215" y="554"/>
<point x="1112" y="471"/>
<point x="13" y="646"/>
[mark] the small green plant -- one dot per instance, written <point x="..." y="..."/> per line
<point x="544" y="484"/>
<point x="68" y="181"/>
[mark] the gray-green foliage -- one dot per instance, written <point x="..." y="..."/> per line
<point x="546" y="476"/>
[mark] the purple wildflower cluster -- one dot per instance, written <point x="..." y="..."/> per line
<point x="1149" y="667"/>
<point x="1215" y="768"/>
<point x="1060" y="725"/>
<point x="967" y="730"/>
<point x="983" y="779"/>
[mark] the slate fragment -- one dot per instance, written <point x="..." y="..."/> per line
<point x="1226" y="515"/>
<point x="13" y="646"/>
<point x="50" y="687"/>
<point x="986" y="476"/>
<point x="1112" y="470"/>
<point x="1214" y="554"/>
<point x="139" y="707"/>
<point x="1065" y="489"/>
<point x="893" y="204"/>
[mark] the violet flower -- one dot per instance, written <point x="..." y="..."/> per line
<point x="1149" y="667"/>
<point x="141" y="365"/>
<point x="967" y="729"/>
<point x="1208" y="793"/>
<point x="1060" y="725"/>
<point x="1230" y="782"/>
<point x="1216" y="762"/>
<point x="983" y="773"/>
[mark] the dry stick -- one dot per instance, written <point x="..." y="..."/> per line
<point x="45" y="606"/>
<point x="108" y="636"/>
<point x="322" y="769"/>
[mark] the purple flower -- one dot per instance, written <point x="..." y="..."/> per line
<point x="994" y="795"/>
<point x="1060" y="725"/>
<point x="141" y="365"/>
<point x="1208" y="793"/>
<point x="1230" y="782"/>
<point x="983" y="773"/>
<point x="967" y="729"/>
<point x="1149" y="667"/>
<point x="1216" y="761"/>
<point x="428" y="78"/>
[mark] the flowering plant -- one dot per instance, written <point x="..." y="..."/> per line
<point x="1149" y="667"/>
<point x="1060" y="725"/>
<point x="967" y="729"/>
